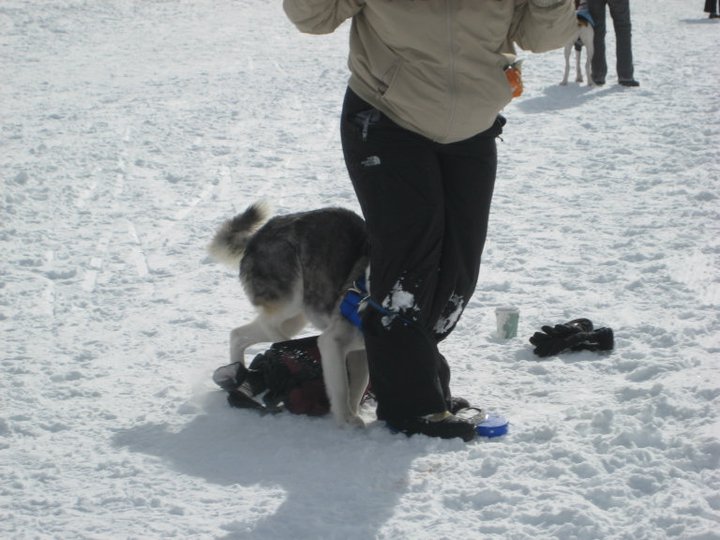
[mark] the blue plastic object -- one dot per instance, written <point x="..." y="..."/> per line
<point x="494" y="425"/>
<point x="350" y="304"/>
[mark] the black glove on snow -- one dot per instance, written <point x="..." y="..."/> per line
<point x="575" y="335"/>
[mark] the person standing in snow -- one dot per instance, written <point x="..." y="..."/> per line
<point x="620" y="13"/>
<point x="418" y="130"/>
<point x="711" y="7"/>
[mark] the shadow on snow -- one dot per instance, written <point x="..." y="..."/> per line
<point x="337" y="483"/>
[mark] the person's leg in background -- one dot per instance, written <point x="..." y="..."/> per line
<point x="711" y="7"/>
<point x="620" y="13"/>
<point x="597" y="10"/>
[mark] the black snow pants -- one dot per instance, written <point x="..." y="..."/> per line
<point x="426" y="206"/>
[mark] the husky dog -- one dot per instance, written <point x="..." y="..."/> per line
<point x="583" y="36"/>
<point x="296" y="269"/>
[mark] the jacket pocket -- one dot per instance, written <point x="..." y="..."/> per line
<point x="374" y="61"/>
<point x="385" y="80"/>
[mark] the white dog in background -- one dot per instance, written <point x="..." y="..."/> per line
<point x="582" y="37"/>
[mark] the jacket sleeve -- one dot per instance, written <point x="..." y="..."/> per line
<point x="543" y="25"/>
<point x="320" y="16"/>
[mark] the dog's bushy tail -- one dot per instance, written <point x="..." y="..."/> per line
<point x="228" y="244"/>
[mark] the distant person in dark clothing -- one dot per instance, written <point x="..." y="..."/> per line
<point x="620" y="13"/>
<point x="711" y="7"/>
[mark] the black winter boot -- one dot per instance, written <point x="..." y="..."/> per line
<point x="442" y="425"/>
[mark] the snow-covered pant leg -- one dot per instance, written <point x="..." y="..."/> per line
<point x="468" y="171"/>
<point x="426" y="206"/>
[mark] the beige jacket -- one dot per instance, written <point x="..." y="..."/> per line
<point x="436" y="67"/>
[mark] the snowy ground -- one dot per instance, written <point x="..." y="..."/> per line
<point x="130" y="130"/>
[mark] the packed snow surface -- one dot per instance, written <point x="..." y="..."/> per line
<point x="131" y="129"/>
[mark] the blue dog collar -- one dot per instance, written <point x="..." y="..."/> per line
<point x="353" y="299"/>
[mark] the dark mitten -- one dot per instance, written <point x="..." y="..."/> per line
<point x="601" y="339"/>
<point x="231" y="376"/>
<point x="241" y="400"/>
<point x="554" y="339"/>
<point x="235" y="376"/>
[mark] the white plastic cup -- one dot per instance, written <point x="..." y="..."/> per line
<point x="507" y="318"/>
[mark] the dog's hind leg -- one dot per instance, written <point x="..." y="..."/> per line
<point x="568" y="49"/>
<point x="578" y="69"/>
<point x="333" y="344"/>
<point x="359" y="376"/>
<point x="589" y="52"/>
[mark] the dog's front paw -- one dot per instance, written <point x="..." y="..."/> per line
<point x="355" y="421"/>
<point x="348" y="420"/>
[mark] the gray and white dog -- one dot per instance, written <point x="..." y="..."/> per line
<point x="295" y="269"/>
